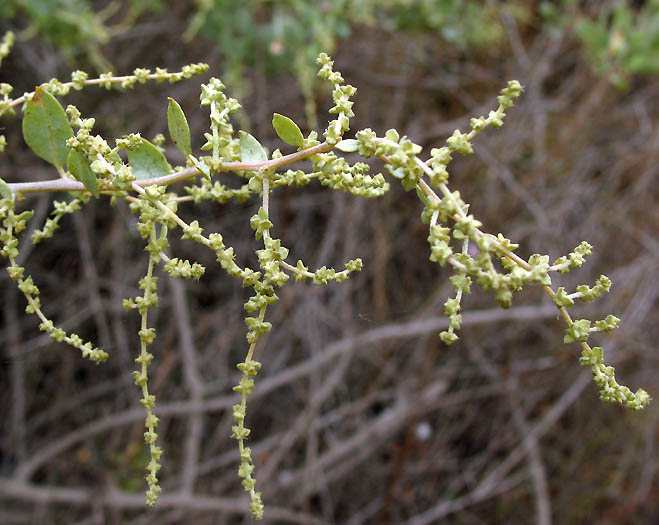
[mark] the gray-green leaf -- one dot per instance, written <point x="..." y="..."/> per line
<point x="147" y="161"/>
<point x="287" y="130"/>
<point x="178" y="127"/>
<point x="251" y="149"/>
<point x="5" y="192"/>
<point x="348" y="145"/>
<point x="79" y="168"/>
<point x="46" y="128"/>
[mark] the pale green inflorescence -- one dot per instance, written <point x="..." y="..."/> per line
<point x="11" y="225"/>
<point x="455" y="237"/>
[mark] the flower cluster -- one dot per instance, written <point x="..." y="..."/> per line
<point x="336" y="173"/>
<point x="450" y="223"/>
<point x="342" y="103"/>
<point x="400" y="154"/>
<point x="249" y="369"/>
<point x="6" y="44"/>
<point x="604" y="376"/>
<point x="13" y="224"/>
<point x="148" y="219"/>
<point x="220" y="140"/>
<point x="52" y="224"/>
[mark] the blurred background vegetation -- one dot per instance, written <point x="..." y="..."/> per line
<point x="360" y="415"/>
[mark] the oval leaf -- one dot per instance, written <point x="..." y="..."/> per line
<point x="287" y="130"/>
<point x="178" y="127"/>
<point x="79" y="168"/>
<point x="46" y="128"/>
<point x="251" y="149"/>
<point x="147" y="161"/>
<point x="348" y="145"/>
<point x="5" y="192"/>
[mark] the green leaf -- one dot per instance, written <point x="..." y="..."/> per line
<point x="178" y="127"/>
<point x="5" y="192"/>
<point x="79" y="168"/>
<point x="251" y="149"/>
<point x="287" y="130"/>
<point x="147" y="161"/>
<point x="46" y="128"/>
<point x="348" y="145"/>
